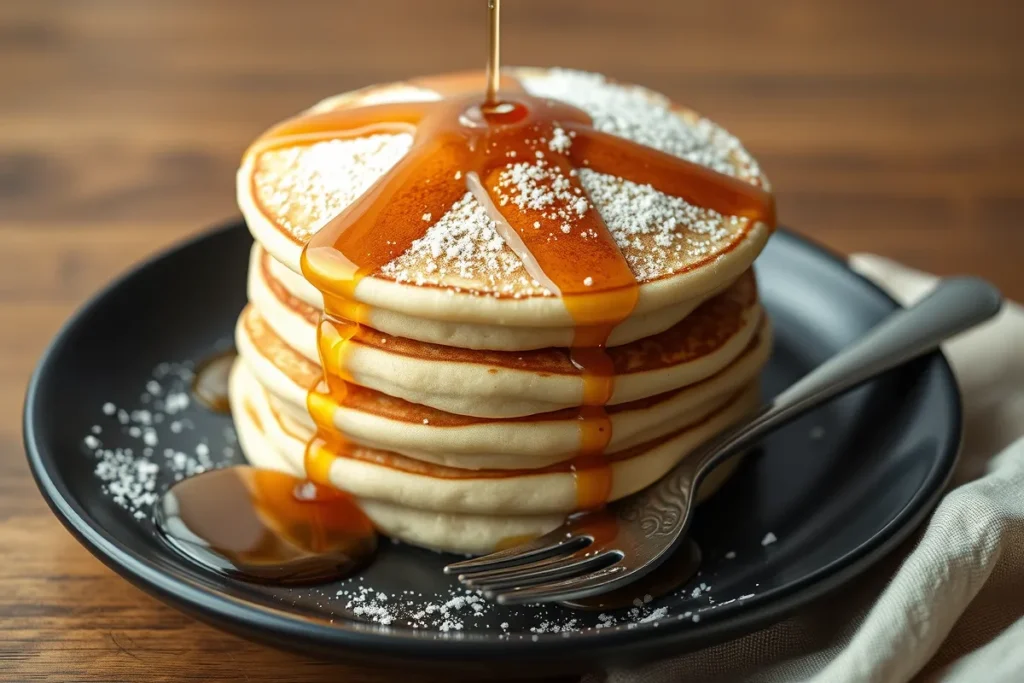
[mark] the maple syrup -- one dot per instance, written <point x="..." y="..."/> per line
<point x="494" y="55"/>
<point x="210" y="383"/>
<point x="265" y="526"/>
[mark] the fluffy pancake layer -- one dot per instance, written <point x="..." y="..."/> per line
<point x="514" y="384"/>
<point x="375" y="419"/>
<point x="268" y="278"/>
<point x="464" y="514"/>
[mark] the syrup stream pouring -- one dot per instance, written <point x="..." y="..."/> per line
<point x="593" y="553"/>
<point x="494" y="56"/>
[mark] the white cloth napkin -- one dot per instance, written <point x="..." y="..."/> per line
<point x="949" y="606"/>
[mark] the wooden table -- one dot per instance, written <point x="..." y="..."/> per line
<point x="893" y="126"/>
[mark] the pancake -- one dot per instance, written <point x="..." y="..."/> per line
<point x="269" y="443"/>
<point x="269" y="277"/>
<point x="461" y="271"/>
<point x="377" y="420"/>
<point x="514" y="384"/>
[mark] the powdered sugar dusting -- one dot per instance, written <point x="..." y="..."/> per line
<point x="302" y="188"/>
<point x="654" y="231"/>
<point x="464" y="250"/>
<point x="646" y="117"/>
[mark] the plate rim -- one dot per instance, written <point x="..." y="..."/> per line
<point x="343" y="640"/>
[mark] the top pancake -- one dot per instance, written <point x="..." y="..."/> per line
<point x="461" y="270"/>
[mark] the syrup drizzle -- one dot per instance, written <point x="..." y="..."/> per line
<point x="265" y="526"/>
<point x="468" y="142"/>
<point x="494" y="56"/>
<point x="210" y="385"/>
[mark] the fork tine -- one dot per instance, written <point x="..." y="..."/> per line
<point x="564" y="589"/>
<point x="483" y="575"/>
<point x="540" y="572"/>
<point x="555" y="543"/>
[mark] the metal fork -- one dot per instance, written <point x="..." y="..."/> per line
<point x="592" y="553"/>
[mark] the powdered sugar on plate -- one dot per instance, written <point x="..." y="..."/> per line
<point x="145" y="454"/>
<point x="141" y="449"/>
<point x="460" y="609"/>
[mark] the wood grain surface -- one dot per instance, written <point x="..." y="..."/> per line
<point x="892" y="126"/>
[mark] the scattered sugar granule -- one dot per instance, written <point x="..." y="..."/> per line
<point x="768" y="539"/>
<point x="134" y="478"/>
<point x="560" y="141"/>
<point x="731" y="555"/>
<point x="657" y="614"/>
<point x="588" y="281"/>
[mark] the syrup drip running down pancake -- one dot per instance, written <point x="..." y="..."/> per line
<point x="519" y="159"/>
<point x="511" y="384"/>
<point x="449" y="509"/>
<point x="379" y="420"/>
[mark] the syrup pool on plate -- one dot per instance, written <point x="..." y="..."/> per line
<point x="210" y="385"/>
<point x="266" y="526"/>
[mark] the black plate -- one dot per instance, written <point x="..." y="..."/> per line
<point x="838" y="488"/>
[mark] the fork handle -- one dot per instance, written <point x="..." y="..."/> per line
<point x="956" y="305"/>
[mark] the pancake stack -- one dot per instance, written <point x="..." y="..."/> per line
<point x="452" y="411"/>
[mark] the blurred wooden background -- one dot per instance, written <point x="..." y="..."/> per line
<point x="893" y="126"/>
